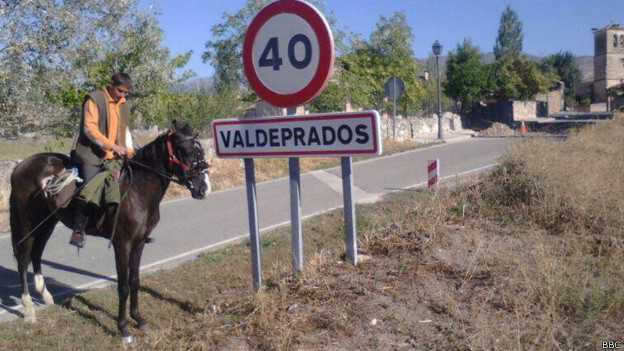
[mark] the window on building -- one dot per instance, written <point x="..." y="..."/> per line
<point x="600" y="45"/>
<point x="622" y="41"/>
<point x="615" y="40"/>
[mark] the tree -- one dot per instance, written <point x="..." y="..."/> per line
<point x="365" y="69"/>
<point x="519" y="79"/>
<point x="563" y="65"/>
<point x="198" y="109"/>
<point x="224" y="51"/>
<point x="466" y="75"/>
<point x="509" y="39"/>
<point x="52" y="52"/>
<point x="332" y="99"/>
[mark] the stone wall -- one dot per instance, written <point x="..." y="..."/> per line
<point x="554" y="102"/>
<point x="403" y="127"/>
<point x="508" y="112"/>
<point x="524" y="110"/>
<point x="6" y="168"/>
<point x="418" y="127"/>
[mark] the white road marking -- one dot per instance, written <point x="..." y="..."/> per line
<point x="334" y="182"/>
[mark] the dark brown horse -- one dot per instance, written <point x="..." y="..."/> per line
<point x="174" y="156"/>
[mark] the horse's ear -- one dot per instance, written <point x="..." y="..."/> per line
<point x="174" y="126"/>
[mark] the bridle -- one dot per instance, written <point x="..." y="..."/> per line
<point x="197" y="166"/>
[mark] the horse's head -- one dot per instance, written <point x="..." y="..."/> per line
<point x="187" y="159"/>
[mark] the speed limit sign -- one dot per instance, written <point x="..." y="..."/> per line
<point x="288" y="53"/>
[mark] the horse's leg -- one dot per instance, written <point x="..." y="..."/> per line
<point x="23" y="261"/>
<point x="41" y="239"/>
<point x="22" y="254"/>
<point x="123" y="287"/>
<point x="135" y="264"/>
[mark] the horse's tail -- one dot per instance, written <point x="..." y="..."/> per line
<point x="28" y="209"/>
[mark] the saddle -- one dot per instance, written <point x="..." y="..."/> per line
<point x="62" y="190"/>
<point x="59" y="189"/>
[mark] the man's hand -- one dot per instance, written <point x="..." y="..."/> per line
<point x="119" y="150"/>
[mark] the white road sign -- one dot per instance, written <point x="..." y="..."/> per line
<point x="337" y="134"/>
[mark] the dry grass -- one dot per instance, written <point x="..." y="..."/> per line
<point x="561" y="264"/>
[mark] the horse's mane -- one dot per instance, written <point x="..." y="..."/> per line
<point x="148" y="154"/>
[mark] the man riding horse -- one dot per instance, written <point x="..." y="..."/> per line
<point x="103" y="132"/>
<point x="175" y="156"/>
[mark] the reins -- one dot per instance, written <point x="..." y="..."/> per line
<point x="156" y="171"/>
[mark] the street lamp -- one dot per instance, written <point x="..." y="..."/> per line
<point x="437" y="50"/>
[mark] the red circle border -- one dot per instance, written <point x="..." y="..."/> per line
<point x="326" y="54"/>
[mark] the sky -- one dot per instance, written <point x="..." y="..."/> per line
<point x="549" y="25"/>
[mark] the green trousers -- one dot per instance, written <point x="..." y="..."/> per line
<point x="102" y="189"/>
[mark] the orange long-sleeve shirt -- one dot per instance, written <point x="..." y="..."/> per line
<point x="91" y="117"/>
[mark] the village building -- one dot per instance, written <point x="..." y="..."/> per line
<point x="608" y="60"/>
<point x="604" y="84"/>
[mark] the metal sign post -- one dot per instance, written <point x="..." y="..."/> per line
<point x="349" y="210"/>
<point x="252" y="209"/>
<point x="295" y="213"/>
<point x="394" y="110"/>
<point x="394" y="89"/>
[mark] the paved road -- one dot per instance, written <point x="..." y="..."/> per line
<point x="189" y="226"/>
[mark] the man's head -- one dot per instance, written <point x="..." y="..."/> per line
<point x="120" y="85"/>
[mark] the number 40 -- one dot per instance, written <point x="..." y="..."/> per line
<point x="275" y="61"/>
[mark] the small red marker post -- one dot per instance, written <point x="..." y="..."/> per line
<point x="433" y="172"/>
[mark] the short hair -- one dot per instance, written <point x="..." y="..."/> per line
<point x="121" y="78"/>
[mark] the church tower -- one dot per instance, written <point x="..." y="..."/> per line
<point x="608" y="59"/>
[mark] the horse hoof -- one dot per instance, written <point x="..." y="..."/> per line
<point x="48" y="300"/>
<point x="127" y="340"/>
<point x="142" y="327"/>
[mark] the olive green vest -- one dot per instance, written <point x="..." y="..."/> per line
<point x="85" y="150"/>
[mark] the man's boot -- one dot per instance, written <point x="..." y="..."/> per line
<point x="80" y="224"/>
